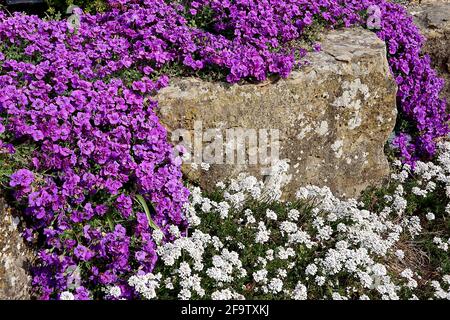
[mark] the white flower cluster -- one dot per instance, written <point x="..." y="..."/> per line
<point x="441" y="244"/>
<point x="226" y="294"/>
<point x="224" y="265"/>
<point x="299" y="252"/>
<point x="439" y="292"/>
<point x="300" y="292"/>
<point x="263" y="234"/>
<point x="66" y="295"/>
<point x="114" y="292"/>
<point x="364" y="239"/>
<point x="189" y="282"/>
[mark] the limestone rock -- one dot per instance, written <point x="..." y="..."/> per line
<point x="433" y="19"/>
<point x="333" y="118"/>
<point x="15" y="258"/>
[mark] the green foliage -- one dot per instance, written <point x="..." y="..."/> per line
<point x="17" y="52"/>
<point x="204" y="19"/>
<point x="232" y="232"/>
<point x="435" y="202"/>
<point x="140" y="199"/>
<point x="89" y="6"/>
<point x="9" y="163"/>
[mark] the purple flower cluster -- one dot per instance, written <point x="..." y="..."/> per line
<point x="419" y="86"/>
<point x="83" y="99"/>
<point x="98" y="143"/>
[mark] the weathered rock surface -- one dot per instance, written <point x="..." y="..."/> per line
<point x="15" y="258"/>
<point x="433" y="19"/>
<point x="333" y="116"/>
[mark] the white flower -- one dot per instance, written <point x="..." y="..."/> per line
<point x="220" y="185"/>
<point x="399" y="204"/>
<point x="379" y="270"/>
<point x="205" y="166"/>
<point x="288" y="227"/>
<point x="263" y="234"/>
<point x="325" y="233"/>
<point x="190" y="284"/>
<point x="320" y="280"/>
<point x="224" y="265"/>
<point x="293" y="214"/>
<point x="173" y="230"/>
<point x="431" y="186"/>
<point x="419" y="192"/>
<point x="157" y="235"/>
<point x="300" y="292"/>
<point x="269" y="255"/>
<point x="430" y="216"/>
<point x="337" y="296"/>
<point x="300" y="237"/>
<point x="251" y="219"/>
<point x="400" y="254"/>
<point x="282" y="273"/>
<point x="408" y="274"/>
<point x="207" y="205"/>
<point x="168" y="283"/>
<point x="223" y="208"/>
<point x="284" y="254"/>
<point x="311" y="269"/>
<point x="413" y="225"/>
<point x="275" y="285"/>
<point x="440" y="244"/>
<point x="302" y="194"/>
<point x="226" y="294"/>
<point x="439" y="292"/>
<point x="146" y="284"/>
<point x="271" y="214"/>
<point x="66" y="295"/>
<point x="185" y="294"/>
<point x="447" y="209"/>
<point x="337" y="237"/>
<point x="184" y="270"/>
<point x="115" y="291"/>
<point x="260" y="276"/>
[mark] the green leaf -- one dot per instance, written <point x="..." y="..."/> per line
<point x="110" y="222"/>
<point x="144" y="206"/>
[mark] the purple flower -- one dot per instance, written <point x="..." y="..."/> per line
<point x="83" y="253"/>
<point x="124" y="205"/>
<point x="21" y="178"/>
<point x="87" y="147"/>
<point x="37" y="135"/>
<point x="140" y="255"/>
<point x="139" y="86"/>
<point x="82" y="294"/>
<point x="308" y="20"/>
<point x="317" y="47"/>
